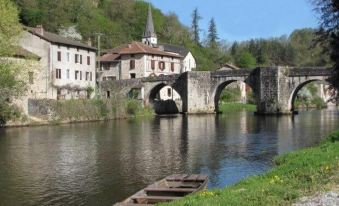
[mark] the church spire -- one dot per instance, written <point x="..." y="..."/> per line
<point x="149" y="37"/>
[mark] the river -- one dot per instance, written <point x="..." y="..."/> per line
<point x="104" y="162"/>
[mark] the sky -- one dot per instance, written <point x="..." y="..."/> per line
<point x="239" y="20"/>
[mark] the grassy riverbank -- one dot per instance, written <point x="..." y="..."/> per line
<point x="297" y="174"/>
<point x="231" y="107"/>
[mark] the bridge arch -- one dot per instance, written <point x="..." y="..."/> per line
<point x="221" y="86"/>
<point x="298" y="87"/>
<point x="168" y="101"/>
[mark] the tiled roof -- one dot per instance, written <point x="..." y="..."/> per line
<point x="175" y="49"/>
<point x="135" y="48"/>
<point x="109" y="57"/>
<point x="55" y="38"/>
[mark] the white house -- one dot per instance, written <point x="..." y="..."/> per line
<point x="68" y="66"/>
<point x="146" y="58"/>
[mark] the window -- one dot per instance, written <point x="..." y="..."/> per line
<point x="162" y="66"/>
<point x="80" y="75"/>
<point x="76" y="60"/>
<point x="59" y="56"/>
<point x="132" y="64"/>
<point x="67" y="73"/>
<point x="58" y="73"/>
<point x="90" y="76"/>
<point x="30" y="77"/>
<point x="169" y="92"/>
<point x="87" y="76"/>
<point x="108" y="94"/>
<point x="76" y="75"/>
<point x="133" y="75"/>
<point x="88" y="60"/>
<point x="172" y="66"/>
<point x="80" y="59"/>
<point x="152" y="64"/>
<point x="67" y="56"/>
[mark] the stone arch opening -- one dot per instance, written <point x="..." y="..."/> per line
<point x="165" y="99"/>
<point x="246" y="94"/>
<point x="323" y="93"/>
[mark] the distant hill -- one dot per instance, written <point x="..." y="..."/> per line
<point x="122" y="21"/>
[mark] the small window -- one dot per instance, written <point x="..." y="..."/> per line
<point x="88" y="60"/>
<point x="132" y="64"/>
<point x="67" y="73"/>
<point x="31" y="77"/>
<point x="169" y="92"/>
<point x="172" y="66"/>
<point x="108" y="94"/>
<point x="76" y="75"/>
<point x="76" y="60"/>
<point x="58" y="73"/>
<point x="80" y="75"/>
<point x="80" y="59"/>
<point x="152" y="64"/>
<point x="87" y="76"/>
<point x="90" y="76"/>
<point x="67" y="56"/>
<point x="133" y="75"/>
<point x="162" y="66"/>
<point x="59" y="56"/>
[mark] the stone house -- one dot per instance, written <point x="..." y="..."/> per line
<point x="146" y="59"/>
<point x="67" y="66"/>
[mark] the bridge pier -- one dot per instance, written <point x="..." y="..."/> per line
<point x="273" y="93"/>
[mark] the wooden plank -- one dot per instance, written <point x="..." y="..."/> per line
<point x="179" y="190"/>
<point x="176" y="177"/>
<point x="191" y="178"/>
<point x="155" y="198"/>
<point x="202" y="177"/>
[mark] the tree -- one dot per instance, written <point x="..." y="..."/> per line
<point x="11" y="85"/>
<point x="329" y="29"/>
<point x="246" y="60"/>
<point x="9" y="26"/>
<point x="195" y="26"/>
<point x="212" y="34"/>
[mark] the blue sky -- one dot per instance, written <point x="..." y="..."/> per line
<point x="245" y="19"/>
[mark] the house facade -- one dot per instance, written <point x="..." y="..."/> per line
<point x="146" y="59"/>
<point x="67" y="66"/>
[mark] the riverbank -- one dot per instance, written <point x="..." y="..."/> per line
<point x="52" y="112"/>
<point x="235" y="107"/>
<point x="296" y="175"/>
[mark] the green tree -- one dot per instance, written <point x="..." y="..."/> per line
<point x="329" y="29"/>
<point x="246" y="60"/>
<point x="9" y="26"/>
<point x="195" y="26"/>
<point x="212" y="34"/>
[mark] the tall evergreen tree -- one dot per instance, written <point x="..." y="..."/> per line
<point x="212" y="34"/>
<point x="195" y="26"/>
<point x="329" y="28"/>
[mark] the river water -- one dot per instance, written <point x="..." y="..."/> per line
<point x="102" y="163"/>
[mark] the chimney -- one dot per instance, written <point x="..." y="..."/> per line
<point x="89" y="42"/>
<point x="39" y="30"/>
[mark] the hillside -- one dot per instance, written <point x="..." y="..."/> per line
<point x="124" y="21"/>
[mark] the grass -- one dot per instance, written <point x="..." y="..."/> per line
<point x="297" y="174"/>
<point x="231" y="107"/>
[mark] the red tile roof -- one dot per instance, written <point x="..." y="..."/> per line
<point x="135" y="48"/>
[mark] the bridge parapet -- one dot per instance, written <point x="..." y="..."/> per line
<point x="308" y="71"/>
<point x="231" y="73"/>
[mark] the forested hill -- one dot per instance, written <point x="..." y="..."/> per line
<point x="122" y="21"/>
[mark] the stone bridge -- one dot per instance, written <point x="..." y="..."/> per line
<point x="274" y="88"/>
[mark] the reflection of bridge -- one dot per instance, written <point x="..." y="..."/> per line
<point x="274" y="88"/>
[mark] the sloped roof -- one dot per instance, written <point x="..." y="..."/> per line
<point x="109" y="57"/>
<point x="175" y="49"/>
<point x="55" y="38"/>
<point x="140" y="48"/>
<point x="228" y="66"/>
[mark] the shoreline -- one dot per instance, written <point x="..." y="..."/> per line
<point x="296" y="175"/>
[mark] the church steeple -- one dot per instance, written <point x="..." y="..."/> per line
<point x="150" y="37"/>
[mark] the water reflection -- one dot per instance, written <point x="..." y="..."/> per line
<point x="91" y="163"/>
